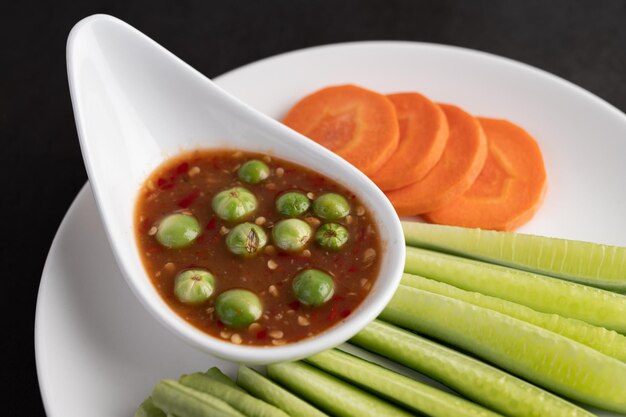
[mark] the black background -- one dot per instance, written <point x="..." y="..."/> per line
<point x="41" y="169"/>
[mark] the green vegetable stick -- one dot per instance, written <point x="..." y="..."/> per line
<point x="606" y="341"/>
<point x="543" y="357"/>
<point x="395" y="387"/>
<point x="244" y="402"/>
<point x="219" y="376"/>
<point x="175" y="398"/>
<point x="336" y="397"/>
<point x="261" y="387"/>
<point x="588" y="263"/>
<point x="592" y="305"/>
<point x="148" y="409"/>
<point x="469" y="377"/>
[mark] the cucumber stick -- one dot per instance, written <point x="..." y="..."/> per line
<point x="470" y="377"/>
<point x="395" y="387"/>
<point x="148" y="409"/>
<point x="543" y="357"/>
<point x="242" y="401"/>
<point x="174" y="398"/>
<point x="219" y="376"/>
<point x="592" y="305"/>
<point x="588" y="263"/>
<point x="606" y="341"/>
<point x="261" y="387"/>
<point x="336" y="397"/>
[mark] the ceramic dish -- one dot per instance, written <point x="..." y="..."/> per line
<point x="135" y="105"/>
<point x="103" y="358"/>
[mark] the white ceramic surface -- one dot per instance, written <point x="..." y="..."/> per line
<point x="135" y="103"/>
<point x="99" y="353"/>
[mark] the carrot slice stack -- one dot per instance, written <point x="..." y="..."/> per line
<point x="357" y="124"/>
<point x="423" y="136"/>
<point x="510" y="188"/>
<point x="461" y="162"/>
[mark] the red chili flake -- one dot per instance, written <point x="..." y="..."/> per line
<point x="261" y="334"/>
<point x="353" y="268"/>
<point x="188" y="199"/>
<point x="200" y="240"/>
<point x="332" y="314"/>
<point x="339" y="298"/>
<point x="294" y="305"/>
<point x="219" y="324"/>
<point x="182" y="168"/>
<point x="211" y="224"/>
<point x="345" y="313"/>
<point x="164" y="184"/>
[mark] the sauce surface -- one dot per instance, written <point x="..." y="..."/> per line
<point x="189" y="182"/>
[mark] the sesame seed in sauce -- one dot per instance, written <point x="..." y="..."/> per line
<point x="276" y="334"/>
<point x="273" y="290"/>
<point x="193" y="171"/>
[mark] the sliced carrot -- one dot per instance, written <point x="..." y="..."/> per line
<point x="423" y="136"/>
<point x="454" y="173"/>
<point x="357" y="124"/>
<point x="509" y="189"/>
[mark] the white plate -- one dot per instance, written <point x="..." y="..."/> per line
<point x="99" y="353"/>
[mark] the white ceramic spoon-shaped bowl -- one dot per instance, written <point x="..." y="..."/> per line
<point x="136" y="104"/>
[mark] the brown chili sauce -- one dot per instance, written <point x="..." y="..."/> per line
<point x="187" y="184"/>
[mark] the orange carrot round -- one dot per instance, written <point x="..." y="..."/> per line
<point x="423" y="135"/>
<point x="509" y="189"/>
<point x="454" y="173"/>
<point x="357" y="124"/>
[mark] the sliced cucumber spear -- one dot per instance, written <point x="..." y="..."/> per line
<point x="568" y="299"/>
<point x="148" y="409"/>
<point x="242" y="401"/>
<point x="395" y="387"/>
<point x="261" y="387"/>
<point x="606" y="341"/>
<point x="329" y="393"/>
<point x="175" y="398"/>
<point x="538" y="355"/>
<point x="470" y="377"/>
<point x="588" y="263"/>
<point x="219" y="376"/>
